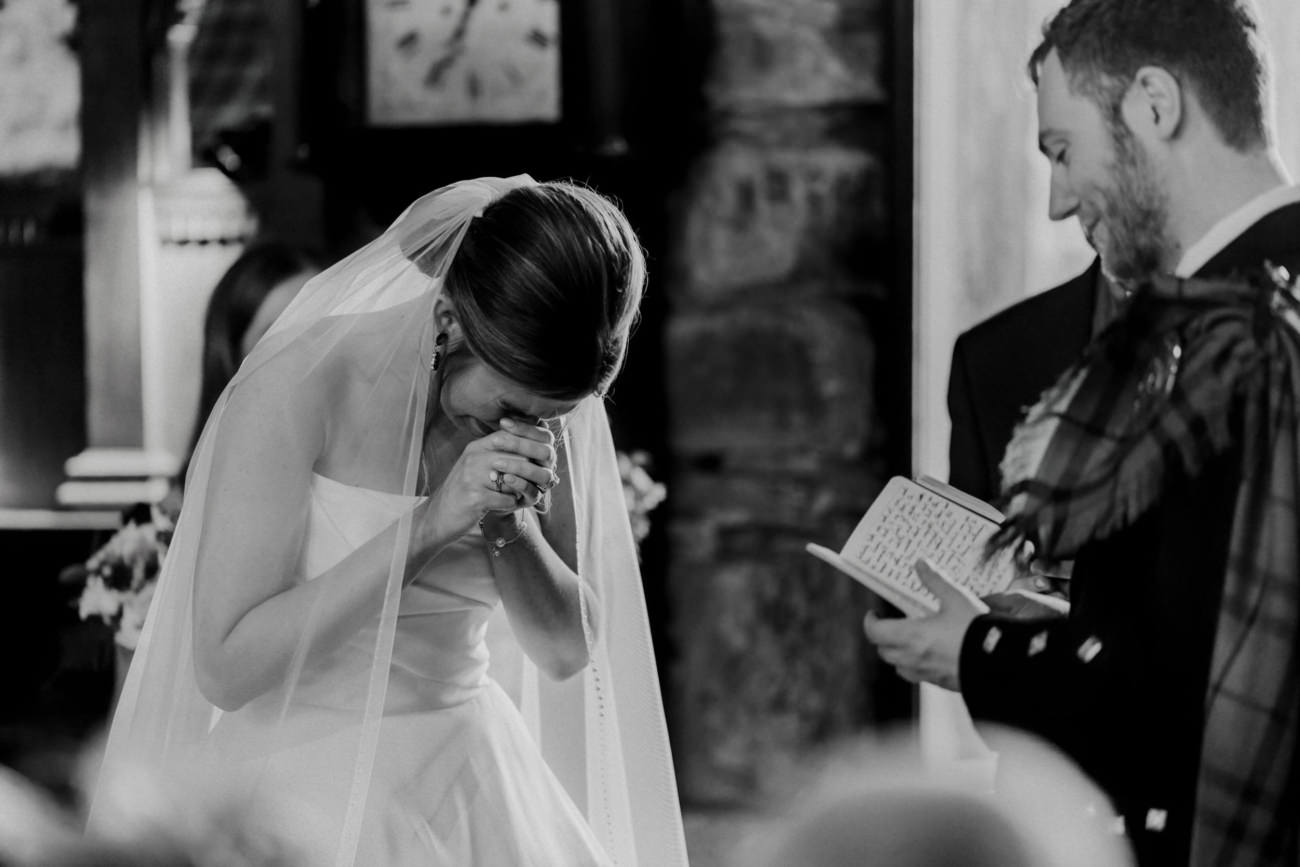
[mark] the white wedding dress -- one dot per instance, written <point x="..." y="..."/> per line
<point x="458" y="778"/>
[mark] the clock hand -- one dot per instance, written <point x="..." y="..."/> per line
<point x="458" y="33"/>
<point x="455" y="47"/>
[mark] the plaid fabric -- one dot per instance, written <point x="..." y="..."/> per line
<point x="1161" y="385"/>
<point x="230" y="68"/>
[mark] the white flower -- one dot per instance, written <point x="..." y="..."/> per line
<point x="120" y="578"/>
<point x="134" y="608"/>
<point x="641" y="493"/>
<point x="98" y="601"/>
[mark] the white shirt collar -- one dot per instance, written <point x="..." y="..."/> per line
<point x="1225" y="231"/>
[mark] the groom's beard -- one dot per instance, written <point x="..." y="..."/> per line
<point x="1136" y="213"/>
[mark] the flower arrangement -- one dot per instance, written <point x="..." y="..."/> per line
<point x="120" y="577"/>
<point x="641" y="492"/>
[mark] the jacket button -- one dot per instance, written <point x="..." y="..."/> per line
<point x="1088" y="651"/>
<point x="991" y="639"/>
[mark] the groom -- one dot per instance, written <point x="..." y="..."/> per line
<point x="1153" y="116"/>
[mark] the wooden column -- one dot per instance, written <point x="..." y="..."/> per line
<point x="114" y="75"/>
<point x="129" y="457"/>
<point x="116" y="466"/>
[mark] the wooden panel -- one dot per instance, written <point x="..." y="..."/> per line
<point x="54" y="689"/>
<point x="42" y="379"/>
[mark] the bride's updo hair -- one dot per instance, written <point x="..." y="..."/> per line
<point x="546" y="286"/>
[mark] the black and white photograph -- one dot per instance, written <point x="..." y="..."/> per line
<point x="650" y="433"/>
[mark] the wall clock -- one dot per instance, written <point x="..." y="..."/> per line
<point x="436" y="62"/>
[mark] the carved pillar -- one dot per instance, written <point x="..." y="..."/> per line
<point x="114" y="75"/>
<point x="145" y="210"/>
<point x="202" y="222"/>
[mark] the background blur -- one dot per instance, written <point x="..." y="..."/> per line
<point x="828" y="191"/>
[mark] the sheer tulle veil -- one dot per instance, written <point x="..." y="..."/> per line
<point x="358" y="340"/>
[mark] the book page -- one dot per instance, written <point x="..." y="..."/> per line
<point x="961" y="498"/>
<point x="907" y="522"/>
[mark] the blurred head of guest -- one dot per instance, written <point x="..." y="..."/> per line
<point x="144" y="816"/>
<point x="251" y="294"/>
<point x="150" y="821"/>
<point x="1153" y="115"/>
<point x="878" y="802"/>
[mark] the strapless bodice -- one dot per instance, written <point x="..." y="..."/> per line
<point x="439" y="655"/>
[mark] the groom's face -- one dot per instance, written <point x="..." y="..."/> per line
<point x="1102" y="175"/>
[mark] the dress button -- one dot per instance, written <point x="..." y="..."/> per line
<point x="1038" y="643"/>
<point x="1156" y="819"/>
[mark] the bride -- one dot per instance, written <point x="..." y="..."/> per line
<point x="418" y="441"/>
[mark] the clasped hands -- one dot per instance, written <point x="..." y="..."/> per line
<point x="497" y="474"/>
<point x="929" y="648"/>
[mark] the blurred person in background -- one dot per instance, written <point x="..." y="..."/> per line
<point x="251" y="294"/>
<point x="875" y="802"/>
<point x="149" y="821"/>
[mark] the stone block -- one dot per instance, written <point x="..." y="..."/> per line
<point x="730" y="510"/>
<point x="758" y="215"/>
<point x="796" y="53"/>
<point x="40" y="92"/>
<point x="770" y="663"/>
<point x="770" y="382"/>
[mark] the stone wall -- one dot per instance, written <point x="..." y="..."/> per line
<point x="39" y="89"/>
<point x="774" y="426"/>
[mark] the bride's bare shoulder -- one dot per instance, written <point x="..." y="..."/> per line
<point x="328" y="372"/>
<point x="287" y="393"/>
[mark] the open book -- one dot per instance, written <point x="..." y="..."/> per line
<point x="922" y="518"/>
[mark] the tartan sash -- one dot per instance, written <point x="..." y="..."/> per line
<point x="1190" y="367"/>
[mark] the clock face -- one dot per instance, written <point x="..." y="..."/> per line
<point x="463" y="61"/>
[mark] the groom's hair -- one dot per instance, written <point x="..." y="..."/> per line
<point x="1212" y="47"/>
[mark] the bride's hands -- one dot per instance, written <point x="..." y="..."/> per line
<point x="506" y="470"/>
<point x="531" y="481"/>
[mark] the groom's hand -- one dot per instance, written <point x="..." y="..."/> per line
<point x="1023" y="605"/>
<point x="927" y="648"/>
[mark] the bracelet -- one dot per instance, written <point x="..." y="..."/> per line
<point x="495" y="546"/>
